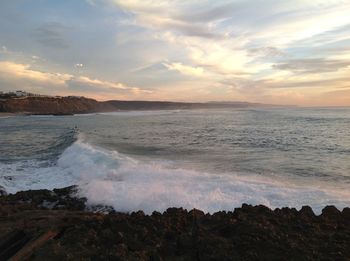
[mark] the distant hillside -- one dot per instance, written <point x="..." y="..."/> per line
<point x="53" y="105"/>
<point x="74" y="105"/>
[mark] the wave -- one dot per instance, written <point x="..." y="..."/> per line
<point x="109" y="178"/>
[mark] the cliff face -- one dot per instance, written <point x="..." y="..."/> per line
<point x="73" y="105"/>
<point x="53" y="105"/>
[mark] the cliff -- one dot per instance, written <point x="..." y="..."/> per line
<point x="74" y="105"/>
<point x="54" y="225"/>
<point x="53" y="105"/>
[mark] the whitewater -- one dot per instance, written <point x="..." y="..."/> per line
<point x="193" y="159"/>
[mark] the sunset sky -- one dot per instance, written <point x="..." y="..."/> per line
<point x="269" y="51"/>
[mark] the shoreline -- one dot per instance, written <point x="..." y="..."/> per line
<point x="44" y="224"/>
<point x="8" y="114"/>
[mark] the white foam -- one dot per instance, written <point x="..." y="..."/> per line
<point x="109" y="178"/>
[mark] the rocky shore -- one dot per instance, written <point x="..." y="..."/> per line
<point x="55" y="225"/>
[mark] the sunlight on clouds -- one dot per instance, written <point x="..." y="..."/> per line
<point x="292" y="51"/>
<point x="185" y="69"/>
<point x="24" y="77"/>
<point x="23" y="71"/>
<point x="108" y="86"/>
<point x="223" y="48"/>
<point x="87" y="80"/>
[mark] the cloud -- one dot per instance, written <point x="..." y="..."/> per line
<point x="52" y="35"/>
<point x="264" y="50"/>
<point x="312" y="65"/>
<point x="268" y="52"/>
<point x="104" y="89"/>
<point x="185" y="69"/>
<point x="22" y="76"/>
<point x="326" y="37"/>
<point x="173" y="16"/>
<point x="3" y="49"/>
<point x="98" y="83"/>
<point x="299" y="83"/>
<point x="11" y="70"/>
<point x="208" y="12"/>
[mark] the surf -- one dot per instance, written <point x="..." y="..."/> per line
<point x="107" y="177"/>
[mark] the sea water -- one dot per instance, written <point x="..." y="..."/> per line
<point x="207" y="159"/>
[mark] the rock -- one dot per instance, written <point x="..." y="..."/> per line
<point x="346" y="213"/>
<point x="121" y="250"/>
<point x="196" y="213"/>
<point x="306" y="211"/>
<point x="139" y="213"/>
<point x="330" y="212"/>
<point x="248" y="233"/>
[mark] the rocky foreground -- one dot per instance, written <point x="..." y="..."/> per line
<point x="54" y="225"/>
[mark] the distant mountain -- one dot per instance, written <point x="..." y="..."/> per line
<point x="73" y="105"/>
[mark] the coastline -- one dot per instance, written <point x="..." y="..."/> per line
<point x="43" y="224"/>
<point x="8" y="114"/>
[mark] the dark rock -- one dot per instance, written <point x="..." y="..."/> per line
<point x="249" y="233"/>
<point x="196" y="213"/>
<point x="346" y="213"/>
<point x="139" y="213"/>
<point x="156" y="214"/>
<point x="330" y="211"/>
<point x="306" y="211"/>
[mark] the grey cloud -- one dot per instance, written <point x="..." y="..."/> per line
<point x="52" y="35"/>
<point x="268" y="51"/>
<point x="191" y="29"/>
<point x="240" y="84"/>
<point x="303" y="84"/>
<point x="213" y="14"/>
<point x="247" y="85"/>
<point x="183" y="21"/>
<point x="315" y="65"/>
<point x="152" y="68"/>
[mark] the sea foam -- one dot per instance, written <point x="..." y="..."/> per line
<point x="109" y="178"/>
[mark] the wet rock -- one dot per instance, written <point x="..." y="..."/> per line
<point x="61" y="230"/>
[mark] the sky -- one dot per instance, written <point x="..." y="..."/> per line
<point x="268" y="51"/>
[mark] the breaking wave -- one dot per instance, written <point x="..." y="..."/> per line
<point x="110" y="178"/>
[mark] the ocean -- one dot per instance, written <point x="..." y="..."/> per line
<point x="206" y="159"/>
